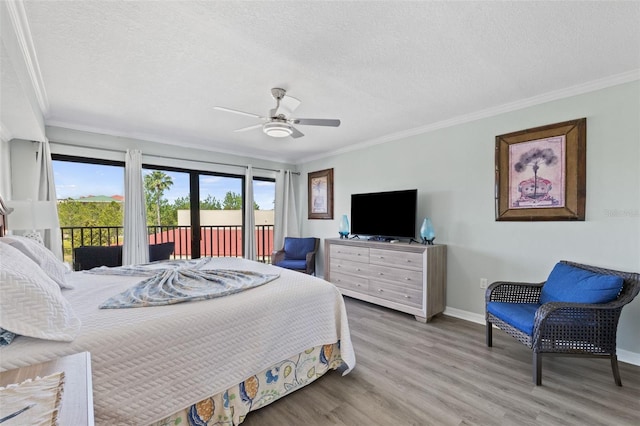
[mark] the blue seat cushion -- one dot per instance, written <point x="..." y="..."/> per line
<point x="570" y="284"/>
<point x="293" y="264"/>
<point x="297" y="248"/>
<point x="518" y="315"/>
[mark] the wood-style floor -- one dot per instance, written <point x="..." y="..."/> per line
<point x="441" y="373"/>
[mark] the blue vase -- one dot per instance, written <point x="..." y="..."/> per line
<point x="343" y="229"/>
<point x="427" y="232"/>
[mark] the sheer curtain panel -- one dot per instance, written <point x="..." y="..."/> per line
<point x="136" y="242"/>
<point x="249" y="217"/>
<point x="47" y="192"/>
<point x="286" y="221"/>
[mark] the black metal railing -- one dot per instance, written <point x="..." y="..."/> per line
<point x="215" y="241"/>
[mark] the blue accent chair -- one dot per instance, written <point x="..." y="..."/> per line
<point x="298" y="254"/>
<point x="574" y="312"/>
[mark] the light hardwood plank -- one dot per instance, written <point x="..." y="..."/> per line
<point x="441" y="373"/>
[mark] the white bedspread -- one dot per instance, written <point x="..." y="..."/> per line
<point x="151" y="362"/>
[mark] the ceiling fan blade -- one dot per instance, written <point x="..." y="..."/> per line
<point x="235" y="111"/>
<point x="244" y="129"/>
<point x="289" y="104"/>
<point x="286" y="106"/>
<point x="317" y="122"/>
<point x="296" y="133"/>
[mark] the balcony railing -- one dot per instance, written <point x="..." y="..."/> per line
<point x="215" y="241"/>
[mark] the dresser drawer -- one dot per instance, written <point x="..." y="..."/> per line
<point x="404" y="277"/>
<point x="355" y="254"/>
<point x="396" y="293"/>
<point x="349" y="282"/>
<point x="398" y="259"/>
<point x="349" y="267"/>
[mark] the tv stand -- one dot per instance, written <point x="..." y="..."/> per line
<point x="406" y="277"/>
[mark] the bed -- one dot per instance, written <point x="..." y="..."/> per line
<point x="203" y="362"/>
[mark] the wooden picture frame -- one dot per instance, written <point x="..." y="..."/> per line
<point x="541" y="173"/>
<point x="320" y="194"/>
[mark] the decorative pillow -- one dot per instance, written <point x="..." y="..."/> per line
<point x="50" y="264"/>
<point x="570" y="284"/>
<point x="31" y="303"/>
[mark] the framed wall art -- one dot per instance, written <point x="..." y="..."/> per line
<point x="541" y="173"/>
<point x="320" y="194"/>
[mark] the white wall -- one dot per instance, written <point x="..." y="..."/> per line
<point x="453" y="169"/>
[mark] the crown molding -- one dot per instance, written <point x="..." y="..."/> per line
<point x="20" y="24"/>
<point x="568" y="92"/>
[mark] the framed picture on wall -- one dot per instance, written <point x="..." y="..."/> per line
<point x="320" y="194"/>
<point x="541" y="173"/>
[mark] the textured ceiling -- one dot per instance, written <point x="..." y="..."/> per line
<point x="155" y="70"/>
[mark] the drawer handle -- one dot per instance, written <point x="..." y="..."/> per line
<point x="358" y="269"/>
<point x="380" y="273"/>
<point x="407" y="278"/>
<point x="380" y="290"/>
<point x="407" y="296"/>
<point x="358" y="285"/>
<point x="358" y="254"/>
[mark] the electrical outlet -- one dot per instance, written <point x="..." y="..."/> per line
<point x="483" y="283"/>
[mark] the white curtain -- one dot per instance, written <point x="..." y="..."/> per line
<point x="285" y="210"/>
<point x="47" y="192"/>
<point x="249" y="217"/>
<point x="5" y="170"/>
<point x="136" y="243"/>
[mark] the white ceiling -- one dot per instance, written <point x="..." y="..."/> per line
<point x="154" y="70"/>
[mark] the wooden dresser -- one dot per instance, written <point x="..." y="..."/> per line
<point x="406" y="277"/>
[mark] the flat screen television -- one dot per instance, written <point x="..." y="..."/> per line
<point x="389" y="214"/>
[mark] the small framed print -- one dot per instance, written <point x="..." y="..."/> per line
<point x="320" y="194"/>
<point x="541" y="173"/>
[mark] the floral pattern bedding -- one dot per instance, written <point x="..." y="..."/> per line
<point x="230" y="407"/>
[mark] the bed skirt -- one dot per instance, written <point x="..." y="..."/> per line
<point x="230" y="407"/>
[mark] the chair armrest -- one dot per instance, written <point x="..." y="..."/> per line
<point x="277" y="256"/>
<point x="513" y="292"/>
<point x="311" y="262"/>
<point x="583" y="322"/>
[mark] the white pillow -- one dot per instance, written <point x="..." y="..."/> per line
<point x="31" y="303"/>
<point x="50" y="264"/>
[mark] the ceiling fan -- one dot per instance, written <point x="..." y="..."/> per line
<point x="277" y="124"/>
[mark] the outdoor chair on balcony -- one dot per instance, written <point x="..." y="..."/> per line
<point x="575" y="312"/>
<point x="88" y="257"/>
<point x="298" y="254"/>
<point x="161" y="251"/>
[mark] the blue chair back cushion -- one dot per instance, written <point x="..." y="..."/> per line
<point x="567" y="283"/>
<point x="519" y="315"/>
<point x="297" y="248"/>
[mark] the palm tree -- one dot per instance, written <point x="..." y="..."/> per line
<point x="155" y="183"/>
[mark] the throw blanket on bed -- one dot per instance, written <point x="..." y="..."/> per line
<point x="149" y="269"/>
<point x="176" y="285"/>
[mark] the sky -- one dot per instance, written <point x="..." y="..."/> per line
<point x="74" y="180"/>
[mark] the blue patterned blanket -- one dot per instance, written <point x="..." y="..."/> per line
<point x="176" y="284"/>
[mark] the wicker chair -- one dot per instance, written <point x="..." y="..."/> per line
<point x="562" y="328"/>
<point x="298" y="254"/>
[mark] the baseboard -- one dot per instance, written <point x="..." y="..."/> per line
<point x="623" y="355"/>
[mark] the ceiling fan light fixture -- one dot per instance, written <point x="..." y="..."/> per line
<point x="277" y="129"/>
